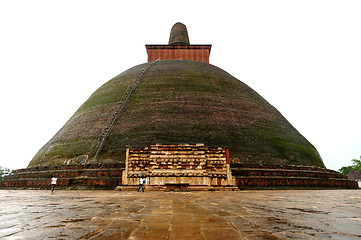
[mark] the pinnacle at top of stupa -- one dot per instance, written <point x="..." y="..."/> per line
<point x="178" y="47"/>
<point x="179" y="35"/>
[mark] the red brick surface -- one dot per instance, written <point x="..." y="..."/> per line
<point x="105" y="176"/>
<point x="179" y="52"/>
<point x="288" y="176"/>
<point x="108" y="176"/>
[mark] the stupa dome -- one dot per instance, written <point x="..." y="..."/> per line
<point x="177" y="101"/>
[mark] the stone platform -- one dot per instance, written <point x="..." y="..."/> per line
<point x="179" y="189"/>
<point x="258" y="176"/>
<point x="84" y="176"/>
<point x="109" y="176"/>
<point x="271" y="214"/>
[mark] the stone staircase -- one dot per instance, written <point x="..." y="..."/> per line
<point x="125" y="99"/>
<point x="253" y="176"/>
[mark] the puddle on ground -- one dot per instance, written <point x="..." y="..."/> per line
<point x="277" y="220"/>
<point x="355" y="219"/>
<point x="75" y="220"/>
<point x="308" y="210"/>
<point x="11" y="229"/>
<point x="56" y="226"/>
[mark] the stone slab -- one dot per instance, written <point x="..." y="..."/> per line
<point x="272" y="214"/>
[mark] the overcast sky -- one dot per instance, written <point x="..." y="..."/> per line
<point x="303" y="57"/>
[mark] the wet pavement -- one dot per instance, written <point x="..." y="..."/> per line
<point x="279" y="214"/>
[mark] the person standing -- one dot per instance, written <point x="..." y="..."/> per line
<point x="141" y="182"/>
<point x="145" y="183"/>
<point x="53" y="183"/>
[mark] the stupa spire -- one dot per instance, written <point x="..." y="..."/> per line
<point x="178" y="47"/>
<point x="179" y="35"/>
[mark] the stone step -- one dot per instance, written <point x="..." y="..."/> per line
<point x="279" y="167"/>
<point x="190" y="188"/>
<point x="288" y="177"/>
<point x="81" y="181"/>
<point x="250" y="172"/>
<point x="261" y="182"/>
<point x="134" y="188"/>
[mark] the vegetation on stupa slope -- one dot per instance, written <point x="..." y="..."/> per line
<point x="181" y="102"/>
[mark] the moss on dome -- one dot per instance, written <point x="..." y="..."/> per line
<point x="180" y="101"/>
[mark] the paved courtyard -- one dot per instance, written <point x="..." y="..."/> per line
<point x="294" y="214"/>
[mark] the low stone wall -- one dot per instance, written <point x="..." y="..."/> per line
<point x="87" y="176"/>
<point x="250" y="176"/>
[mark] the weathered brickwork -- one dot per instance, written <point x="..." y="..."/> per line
<point x="179" y="52"/>
<point x="254" y="176"/>
<point x="104" y="176"/>
<point x="178" y="47"/>
<point x="165" y="170"/>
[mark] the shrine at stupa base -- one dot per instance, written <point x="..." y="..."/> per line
<point x="179" y="167"/>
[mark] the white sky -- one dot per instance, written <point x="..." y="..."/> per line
<point x="303" y="57"/>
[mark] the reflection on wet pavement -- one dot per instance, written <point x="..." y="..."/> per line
<point x="296" y="214"/>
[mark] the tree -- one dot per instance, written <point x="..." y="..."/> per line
<point x="356" y="166"/>
<point x="4" y="172"/>
<point x="345" y="170"/>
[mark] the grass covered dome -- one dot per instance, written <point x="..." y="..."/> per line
<point x="179" y="101"/>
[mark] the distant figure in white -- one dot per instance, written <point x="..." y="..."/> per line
<point x="145" y="183"/>
<point x="53" y="183"/>
<point x="141" y="182"/>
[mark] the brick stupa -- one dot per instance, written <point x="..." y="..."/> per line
<point x="182" y="122"/>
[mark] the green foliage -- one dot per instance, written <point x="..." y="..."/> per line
<point x="67" y="149"/>
<point x="345" y="170"/>
<point x="356" y="166"/>
<point x="4" y="172"/>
